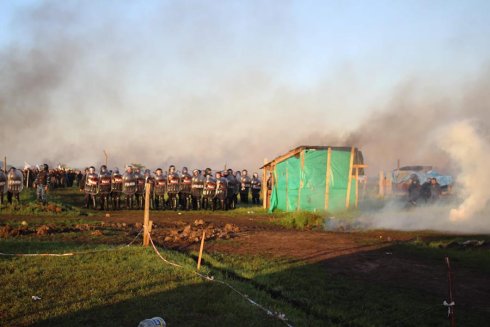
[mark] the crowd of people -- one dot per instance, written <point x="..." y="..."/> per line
<point x="428" y="192"/>
<point x="169" y="189"/>
<point x="112" y="190"/>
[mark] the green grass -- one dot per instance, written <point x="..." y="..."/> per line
<point x="298" y="219"/>
<point x="319" y="298"/>
<point x="62" y="202"/>
<point x="121" y="287"/>
<point x="116" y="288"/>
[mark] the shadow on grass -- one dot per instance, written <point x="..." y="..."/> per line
<point x="383" y="287"/>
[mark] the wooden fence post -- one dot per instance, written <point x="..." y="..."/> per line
<point x="200" y="250"/>
<point x="146" y="221"/>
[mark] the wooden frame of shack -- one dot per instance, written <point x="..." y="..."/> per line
<point x="313" y="178"/>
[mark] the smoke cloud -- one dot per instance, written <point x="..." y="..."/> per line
<point x="210" y="85"/>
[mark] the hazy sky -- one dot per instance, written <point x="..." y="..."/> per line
<point x="208" y="83"/>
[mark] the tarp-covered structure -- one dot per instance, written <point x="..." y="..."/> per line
<point x="314" y="178"/>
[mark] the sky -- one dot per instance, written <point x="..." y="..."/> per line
<point x="214" y="83"/>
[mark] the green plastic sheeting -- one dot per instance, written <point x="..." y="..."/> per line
<point x="300" y="186"/>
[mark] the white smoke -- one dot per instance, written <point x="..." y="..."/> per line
<point x="472" y="155"/>
<point x="467" y="209"/>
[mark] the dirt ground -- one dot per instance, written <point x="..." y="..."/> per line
<point x="369" y="256"/>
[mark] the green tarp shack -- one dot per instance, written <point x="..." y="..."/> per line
<point x="314" y="178"/>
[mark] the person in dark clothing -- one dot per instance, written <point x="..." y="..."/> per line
<point x="425" y="190"/>
<point x="414" y="191"/>
<point x="435" y="190"/>
<point x="42" y="183"/>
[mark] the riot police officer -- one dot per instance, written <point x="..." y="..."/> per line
<point x="197" y="189"/>
<point x="140" y="188"/>
<point x="3" y="185"/>
<point x="129" y="186"/>
<point x="256" y="186"/>
<point x="116" y="189"/>
<point x="104" y="187"/>
<point x="15" y="184"/>
<point x="150" y="181"/>
<point x="160" y="189"/>
<point x="91" y="187"/>
<point x="221" y="191"/>
<point x="232" y="189"/>
<point x="209" y="192"/>
<point x="185" y="197"/>
<point x="245" y="186"/>
<point x="173" y="187"/>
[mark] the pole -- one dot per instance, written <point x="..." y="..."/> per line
<point x="200" y="250"/>
<point x="301" y="174"/>
<point x="5" y="164"/>
<point x="106" y="157"/>
<point x="146" y="221"/>
<point x="327" y="177"/>
<point x="357" y="187"/>
<point x="450" y="305"/>
<point x="381" y="184"/>
<point x="264" y="186"/>
<point x="349" y="180"/>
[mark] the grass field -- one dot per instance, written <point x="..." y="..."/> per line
<point x="112" y="285"/>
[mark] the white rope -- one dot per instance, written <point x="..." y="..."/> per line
<point x="278" y="315"/>
<point x="69" y="253"/>
<point x="448" y="305"/>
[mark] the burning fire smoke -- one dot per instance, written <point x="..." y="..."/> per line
<point x="471" y="154"/>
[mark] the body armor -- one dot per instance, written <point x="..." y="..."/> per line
<point x="116" y="183"/>
<point x="197" y="188"/>
<point x="15" y="181"/>
<point x="185" y="183"/>
<point x="221" y="187"/>
<point x="91" y="184"/>
<point x="173" y="182"/>
<point x="160" y="185"/>
<point x="140" y="183"/>
<point x="160" y="188"/>
<point x="232" y="190"/>
<point x="105" y="184"/>
<point x="129" y="183"/>
<point x="209" y="187"/>
<point x="3" y="182"/>
<point x="197" y="185"/>
<point x="209" y="192"/>
<point x="116" y="190"/>
<point x="3" y="185"/>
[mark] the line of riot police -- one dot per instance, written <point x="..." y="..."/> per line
<point x="11" y="184"/>
<point x="170" y="189"/>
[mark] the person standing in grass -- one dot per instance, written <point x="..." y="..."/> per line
<point x="41" y="184"/>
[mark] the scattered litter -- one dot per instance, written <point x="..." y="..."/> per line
<point x="36" y="298"/>
<point x="388" y="253"/>
<point x="24" y="223"/>
<point x="179" y="213"/>
<point x="107" y="215"/>
<point x="153" y="322"/>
